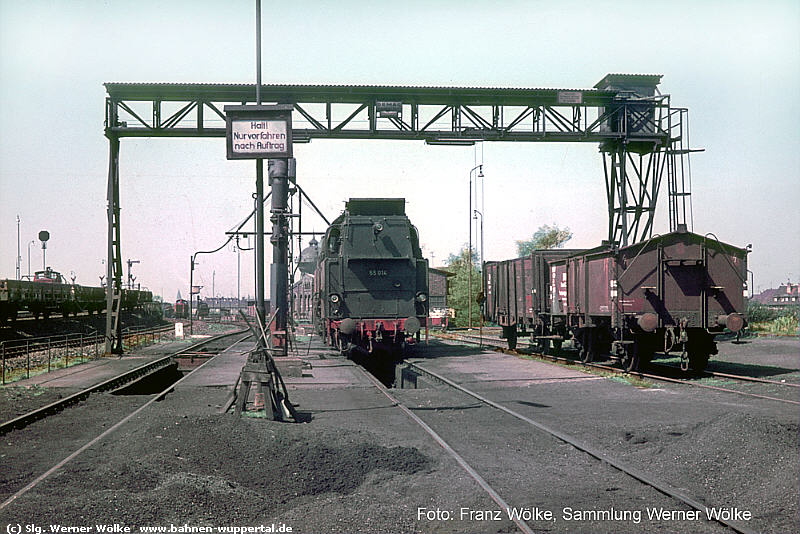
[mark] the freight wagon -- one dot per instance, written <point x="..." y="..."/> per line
<point x="49" y="293"/>
<point x="674" y="292"/>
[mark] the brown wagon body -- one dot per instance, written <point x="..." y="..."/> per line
<point x="674" y="292"/>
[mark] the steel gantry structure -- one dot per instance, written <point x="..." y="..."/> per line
<point x="642" y="138"/>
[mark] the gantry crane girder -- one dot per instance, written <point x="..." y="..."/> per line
<point x="433" y="114"/>
<point x="641" y="136"/>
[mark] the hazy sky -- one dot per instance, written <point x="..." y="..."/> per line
<point x="734" y="64"/>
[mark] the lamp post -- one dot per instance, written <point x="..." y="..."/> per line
<point x="478" y="168"/>
<point x="191" y="292"/>
<point x="238" y="275"/>
<point x="475" y="214"/>
<point x="32" y="242"/>
<point x="19" y="257"/>
<point x="483" y="263"/>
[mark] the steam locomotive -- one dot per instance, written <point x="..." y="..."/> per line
<point x="674" y="292"/>
<point x="371" y="281"/>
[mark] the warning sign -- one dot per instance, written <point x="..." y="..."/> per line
<point x="259" y="132"/>
<point x="258" y="137"/>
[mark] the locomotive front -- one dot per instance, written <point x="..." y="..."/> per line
<point x="371" y="281"/>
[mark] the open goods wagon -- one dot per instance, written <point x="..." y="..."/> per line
<point x="49" y="293"/>
<point x="518" y="294"/>
<point x="674" y="292"/>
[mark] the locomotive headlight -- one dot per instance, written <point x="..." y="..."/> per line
<point x="334" y="298"/>
<point x="422" y="297"/>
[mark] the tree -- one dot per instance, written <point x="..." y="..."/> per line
<point x="546" y="237"/>
<point x="458" y="292"/>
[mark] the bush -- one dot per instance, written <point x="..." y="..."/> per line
<point x="768" y="320"/>
<point x="760" y="313"/>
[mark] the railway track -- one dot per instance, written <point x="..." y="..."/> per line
<point x="499" y="344"/>
<point x="505" y="502"/>
<point x="240" y="336"/>
<point x="111" y="384"/>
<point x="21" y="347"/>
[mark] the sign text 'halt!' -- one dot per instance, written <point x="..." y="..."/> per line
<point x="255" y="132"/>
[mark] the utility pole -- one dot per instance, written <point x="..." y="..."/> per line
<point x="19" y="257"/>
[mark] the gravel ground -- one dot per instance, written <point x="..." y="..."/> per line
<point x="726" y="450"/>
<point x="360" y="465"/>
<point x="83" y="323"/>
<point x="782" y="352"/>
<point x="19" y="400"/>
<point x="217" y="470"/>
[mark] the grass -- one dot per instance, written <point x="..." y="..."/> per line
<point x="632" y="380"/>
<point x="14" y="375"/>
<point x="34" y="390"/>
<point x="782" y="326"/>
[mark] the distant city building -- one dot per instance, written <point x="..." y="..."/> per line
<point x="785" y="295"/>
<point x="308" y="257"/>
<point x="302" y="294"/>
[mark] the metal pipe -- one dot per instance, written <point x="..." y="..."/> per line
<point x="261" y="309"/>
<point x="19" y="257"/>
<point x="258" y="53"/>
<point x="279" y="271"/>
<point x="191" y="288"/>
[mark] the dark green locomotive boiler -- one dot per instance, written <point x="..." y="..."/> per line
<point x="371" y="281"/>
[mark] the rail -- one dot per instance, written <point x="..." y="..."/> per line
<point x="108" y="431"/>
<point x="21" y="357"/>
<point x="498" y="345"/>
<point x="680" y="494"/>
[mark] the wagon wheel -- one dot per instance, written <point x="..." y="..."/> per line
<point x="586" y="349"/>
<point x="512" y="340"/>
<point x="698" y="360"/>
<point x="511" y="336"/>
<point x="645" y="356"/>
<point x="542" y="345"/>
<point x="630" y="359"/>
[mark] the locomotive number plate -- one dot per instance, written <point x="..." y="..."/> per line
<point x="378" y="272"/>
